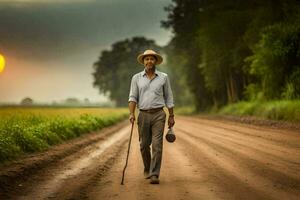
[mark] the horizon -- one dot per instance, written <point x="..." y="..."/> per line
<point x="50" y="47"/>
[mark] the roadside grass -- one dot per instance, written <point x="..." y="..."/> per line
<point x="285" y="110"/>
<point x="27" y="130"/>
<point x="276" y="110"/>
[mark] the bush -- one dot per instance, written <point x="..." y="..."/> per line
<point x="8" y="148"/>
<point x="43" y="132"/>
<point x="25" y="131"/>
<point x="25" y="139"/>
<point x="275" y="62"/>
<point x="276" y="110"/>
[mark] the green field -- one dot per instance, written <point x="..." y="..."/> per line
<point x="27" y="130"/>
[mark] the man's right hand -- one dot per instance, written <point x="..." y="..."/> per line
<point x="132" y="118"/>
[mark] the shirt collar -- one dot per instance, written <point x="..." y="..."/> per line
<point x="144" y="72"/>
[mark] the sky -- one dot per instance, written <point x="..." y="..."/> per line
<point x="50" y="45"/>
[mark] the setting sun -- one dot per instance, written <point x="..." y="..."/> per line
<point x="2" y="63"/>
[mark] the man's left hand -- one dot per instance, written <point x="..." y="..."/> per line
<point x="171" y="121"/>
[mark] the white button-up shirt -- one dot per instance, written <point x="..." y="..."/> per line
<point x="153" y="93"/>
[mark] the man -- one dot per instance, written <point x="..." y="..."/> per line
<point x="150" y="90"/>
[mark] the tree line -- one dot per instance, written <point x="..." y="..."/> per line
<point x="221" y="52"/>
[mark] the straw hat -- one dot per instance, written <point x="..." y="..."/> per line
<point x="149" y="52"/>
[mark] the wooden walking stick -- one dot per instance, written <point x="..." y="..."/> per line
<point x="122" y="182"/>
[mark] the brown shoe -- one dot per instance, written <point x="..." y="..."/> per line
<point x="146" y="175"/>
<point x="154" y="180"/>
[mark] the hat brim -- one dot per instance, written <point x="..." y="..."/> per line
<point x="158" y="57"/>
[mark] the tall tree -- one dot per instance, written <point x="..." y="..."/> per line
<point x="221" y="30"/>
<point x="224" y="44"/>
<point x="114" y="68"/>
<point x="178" y="76"/>
<point x="272" y="36"/>
<point x="183" y="20"/>
<point x="276" y="61"/>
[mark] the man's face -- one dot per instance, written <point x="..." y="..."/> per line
<point x="149" y="62"/>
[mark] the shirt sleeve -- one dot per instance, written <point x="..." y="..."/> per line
<point x="133" y="94"/>
<point x="168" y="95"/>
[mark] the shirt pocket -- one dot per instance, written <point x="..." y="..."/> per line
<point x="158" y="90"/>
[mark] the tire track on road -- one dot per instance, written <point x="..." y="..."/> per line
<point x="240" y="167"/>
<point x="286" y="162"/>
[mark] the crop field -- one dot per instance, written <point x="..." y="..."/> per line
<point x="26" y="130"/>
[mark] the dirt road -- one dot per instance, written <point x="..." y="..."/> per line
<point x="211" y="159"/>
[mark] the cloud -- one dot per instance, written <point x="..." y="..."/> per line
<point x="43" y="1"/>
<point x="56" y="29"/>
<point x="54" y="45"/>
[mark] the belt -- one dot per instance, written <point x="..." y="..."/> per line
<point x="153" y="110"/>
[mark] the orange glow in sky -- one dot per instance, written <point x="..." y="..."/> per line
<point x="2" y="63"/>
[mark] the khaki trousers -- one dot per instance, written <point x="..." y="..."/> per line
<point x="151" y="130"/>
